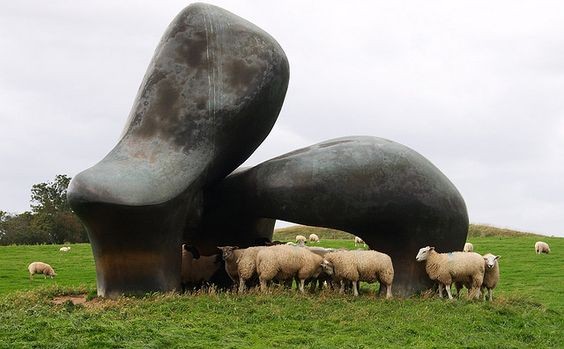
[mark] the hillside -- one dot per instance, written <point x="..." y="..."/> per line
<point x="475" y="230"/>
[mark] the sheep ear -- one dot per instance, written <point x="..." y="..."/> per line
<point x="431" y="248"/>
<point x="497" y="257"/>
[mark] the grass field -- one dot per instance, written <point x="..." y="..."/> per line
<point x="527" y="311"/>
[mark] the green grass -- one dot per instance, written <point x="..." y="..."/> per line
<point x="73" y="268"/>
<point x="527" y="310"/>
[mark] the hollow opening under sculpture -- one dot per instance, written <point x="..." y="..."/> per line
<point x="210" y="96"/>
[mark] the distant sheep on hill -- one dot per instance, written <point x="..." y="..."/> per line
<point x="300" y="240"/>
<point x="313" y="238"/>
<point x="41" y="268"/>
<point x="358" y="241"/>
<point x="468" y="247"/>
<point x="541" y="247"/>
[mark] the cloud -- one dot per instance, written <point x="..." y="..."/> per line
<point x="474" y="86"/>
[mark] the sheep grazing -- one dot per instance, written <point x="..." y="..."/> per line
<point x="358" y="241"/>
<point x="197" y="270"/>
<point x="41" y="268"/>
<point x="301" y="240"/>
<point x="491" y="276"/>
<point x="541" y="247"/>
<point x="283" y="262"/>
<point x="466" y="268"/>
<point x="356" y="266"/>
<point x="313" y="238"/>
<point x="468" y="247"/>
<point x="64" y="249"/>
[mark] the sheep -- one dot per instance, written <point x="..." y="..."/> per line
<point x="356" y="266"/>
<point x="195" y="269"/>
<point x="358" y="241"/>
<point x="491" y="276"/>
<point x="246" y="265"/>
<point x="313" y="238"/>
<point x="322" y="277"/>
<point x="240" y="263"/>
<point x="541" y="247"/>
<point x="300" y="240"/>
<point x="40" y="268"/>
<point x="468" y="247"/>
<point x="285" y="262"/>
<point x="464" y="267"/>
<point x="65" y="249"/>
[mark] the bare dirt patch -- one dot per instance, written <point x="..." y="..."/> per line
<point x="75" y="299"/>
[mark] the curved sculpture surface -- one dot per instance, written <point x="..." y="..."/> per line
<point x="382" y="191"/>
<point x="210" y="96"/>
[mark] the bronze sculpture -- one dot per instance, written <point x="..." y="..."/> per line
<point x="210" y="96"/>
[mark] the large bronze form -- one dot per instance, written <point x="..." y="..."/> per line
<point x="382" y="191"/>
<point x="211" y="94"/>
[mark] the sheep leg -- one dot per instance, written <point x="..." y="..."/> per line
<point x="262" y="285"/>
<point x="355" y="288"/>
<point x="302" y="284"/>
<point x="342" y="290"/>
<point x="440" y="290"/>
<point x="448" y="291"/>
<point x="389" y="291"/>
<point x="241" y="285"/>
<point x="490" y="294"/>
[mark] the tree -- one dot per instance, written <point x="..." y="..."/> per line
<point x="50" y="221"/>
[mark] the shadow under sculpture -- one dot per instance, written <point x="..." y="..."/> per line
<point x="382" y="191"/>
<point x="210" y="96"/>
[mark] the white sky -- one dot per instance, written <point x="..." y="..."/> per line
<point x="477" y="87"/>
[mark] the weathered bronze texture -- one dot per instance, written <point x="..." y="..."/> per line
<point x="382" y="191"/>
<point x="210" y="96"/>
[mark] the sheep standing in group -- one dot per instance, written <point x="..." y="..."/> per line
<point x="468" y="247"/>
<point x="491" y="276"/>
<point x="323" y="276"/>
<point x="240" y="263"/>
<point x="358" y="241"/>
<point x="313" y="238"/>
<point x="283" y="262"/>
<point x="541" y="247"/>
<point x="196" y="270"/>
<point x="446" y="268"/>
<point x="40" y="268"/>
<point x="356" y="266"/>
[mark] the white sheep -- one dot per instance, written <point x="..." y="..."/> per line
<point x="356" y="266"/>
<point x="247" y="265"/>
<point x="313" y="238"/>
<point x="323" y="276"/>
<point x="541" y="247"/>
<point x="464" y="267"/>
<point x="197" y="270"/>
<point x="491" y="276"/>
<point x="300" y="240"/>
<point x="283" y="262"/>
<point x="41" y="268"/>
<point x="240" y="263"/>
<point x="358" y="241"/>
<point x="468" y="247"/>
<point x="65" y="249"/>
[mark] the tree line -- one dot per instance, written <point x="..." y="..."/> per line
<point x="50" y="221"/>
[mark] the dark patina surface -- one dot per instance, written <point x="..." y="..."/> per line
<point x="211" y="94"/>
<point x="382" y="191"/>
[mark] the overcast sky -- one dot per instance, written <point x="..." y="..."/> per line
<point x="477" y="87"/>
